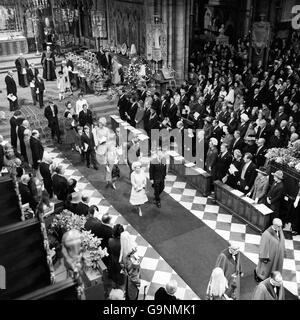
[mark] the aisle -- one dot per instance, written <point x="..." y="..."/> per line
<point x="155" y="271"/>
<point x="182" y="231"/>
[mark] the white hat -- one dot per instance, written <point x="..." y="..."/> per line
<point x="214" y="141"/>
<point x="244" y="117"/>
<point x="136" y="164"/>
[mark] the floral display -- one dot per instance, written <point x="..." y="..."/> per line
<point x="91" y="245"/>
<point x="285" y="156"/>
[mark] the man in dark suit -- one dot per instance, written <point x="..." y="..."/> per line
<point x="88" y="146"/>
<point x="131" y="113"/>
<point x="46" y="175"/>
<point x="172" y="114"/>
<point x="238" y="142"/>
<point x="32" y="73"/>
<point x="15" y="121"/>
<point x="37" y="149"/>
<point x="248" y="174"/>
<point x="168" y="293"/>
<point x="263" y="131"/>
<point x="11" y="88"/>
<point x="260" y="155"/>
<point x="156" y="103"/>
<point x="100" y="229"/>
<point x="153" y="122"/>
<point x="85" y="116"/>
<point x="123" y="105"/>
<point x="223" y="162"/>
<point x="83" y="207"/>
<point x="275" y="194"/>
<point x="51" y="113"/>
<point x="164" y="107"/>
<point x="60" y="184"/>
<point x="21" y="129"/>
<point x="217" y="131"/>
<point x="281" y="115"/>
<point x="142" y="93"/>
<point x="40" y="89"/>
<point x="158" y="172"/>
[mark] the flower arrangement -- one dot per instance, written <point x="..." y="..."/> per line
<point x="91" y="245"/>
<point x="285" y="156"/>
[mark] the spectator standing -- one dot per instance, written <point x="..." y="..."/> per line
<point x="271" y="251"/>
<point x="11" y="88"/>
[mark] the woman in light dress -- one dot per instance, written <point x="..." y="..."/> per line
<point x="138" y="191"/>
<point x="101" y="137"/>
<point x="217" y="286"/>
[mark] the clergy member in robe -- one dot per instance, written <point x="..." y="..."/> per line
<point x="49" y="65"/>
<point x="271" y="288"/>
<point x="229" y="261"/>
<point x="271" y="251"/>
<point x="22" y="66"/>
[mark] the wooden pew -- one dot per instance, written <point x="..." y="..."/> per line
<point x="256" y="215"/>
<point x="24" y="257"/>
<point x="194" y="175"/>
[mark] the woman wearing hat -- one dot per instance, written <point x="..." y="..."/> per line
<point x="138" y="181"/>
<point x="261" y="185"/>
<point x="275" y="194"/>
<point x="101" y="134"/>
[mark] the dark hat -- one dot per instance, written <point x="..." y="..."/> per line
<point x="262" y="170"/>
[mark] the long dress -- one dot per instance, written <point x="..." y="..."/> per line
<point x="49" y="65"/>
<point x="138" y="194"/>
<point x="66" y="77"/>
<point x="101" y="138"/>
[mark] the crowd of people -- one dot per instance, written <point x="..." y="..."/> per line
<point x="244" y="110"/>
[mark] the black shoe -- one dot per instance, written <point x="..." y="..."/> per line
<point x="88" y="166"/>
<point x="107" y="185"/>
<point x="158" y="205"/>
<point x="96" y="168"/>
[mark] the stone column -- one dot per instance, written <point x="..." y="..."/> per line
<point x="179" y="46"/>
<point x="170" y="32"/>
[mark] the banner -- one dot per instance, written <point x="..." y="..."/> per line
<point x="156" y="42"/>
<point x="99" y="24"/>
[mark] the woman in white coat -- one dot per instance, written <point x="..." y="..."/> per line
<point x="138" y="191"/>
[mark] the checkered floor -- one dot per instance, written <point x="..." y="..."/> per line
<point x="155" y="272"/>
<point x="232" y="229"/>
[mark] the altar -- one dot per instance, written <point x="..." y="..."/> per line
<point x="13" y="45"/>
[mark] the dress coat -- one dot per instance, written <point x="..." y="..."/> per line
<point x="271" y="253"/>
<point x="232" y="271"/>
<point x="47" y="178"/>
<point x="260" y="189"/>
<point x="265" y="291"/>
<point x="37" y="151"/>
<point x="222" y="165"/>
<point x="275" y="195"/>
